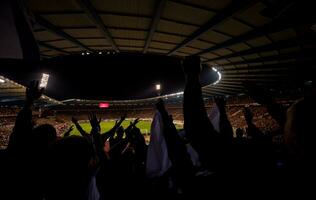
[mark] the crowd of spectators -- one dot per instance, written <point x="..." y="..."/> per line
<point x="62" y="119"/>
<point x="203" y="160"/>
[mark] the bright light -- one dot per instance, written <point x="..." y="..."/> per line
<point x="100" y="52"/>
<point x="2" y="81"/>
<point x="108" y="52"/>
<point x="104" y="105"/>
<point x="44" y="80"/>
<point x="88" y="53"/>
<point x="158" y="86"/>
<point x="218" y="74"/>
<point x="82" y="53"/>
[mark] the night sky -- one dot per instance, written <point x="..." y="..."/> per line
<point x="120" y="76"/>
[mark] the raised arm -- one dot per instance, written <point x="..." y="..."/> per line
<point x="225" y="127"/>
<point x="79" y="128"/>
<point x="177" y="150"/>
<point x="198" y="128"/>
<point x="23" y="125"/>
<point x="96" y="137"/>
<point x="67" y="133"/>
<point x="112" y="131"/>
<point x="128" y="130"/>
<point x="253" y="131"/>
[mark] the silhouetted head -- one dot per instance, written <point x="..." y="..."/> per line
<point x="69" y="168"/>
<point x="43" y="136"/>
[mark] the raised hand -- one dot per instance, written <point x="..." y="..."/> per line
<point x="123" y="117"/>
<point x="118" y="123"/>
<point x="94" y="122"/>
<point x="132" y="124"/>
<point x="33" y="92"/>
<point x="135" y="122"/>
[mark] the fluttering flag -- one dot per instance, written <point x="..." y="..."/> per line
<point x="158" y="161"/>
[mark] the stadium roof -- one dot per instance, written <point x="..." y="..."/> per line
<point x="12" y="93"/>
<point x="263" y="41"/>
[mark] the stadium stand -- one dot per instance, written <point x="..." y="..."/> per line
<point x="60" y="115"/>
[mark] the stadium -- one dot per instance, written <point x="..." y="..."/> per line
<point x="173" y="98"/>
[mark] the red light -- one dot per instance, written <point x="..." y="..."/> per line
<point x="104" y="105"/>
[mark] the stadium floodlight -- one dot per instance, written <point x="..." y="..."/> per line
<point x="158" y="89"/>
<point x="100" y="52"/>
<point x="108" y="52"/>
<point x="1" y="80"/>
<point x="88" y="53"/>
<point x="44" y="80"/>
<point x="82" y="53"/>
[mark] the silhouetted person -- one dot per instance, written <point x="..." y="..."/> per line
<point x="28" y="150"/>
<point x="182" y="167"/>
<point x="253" y="133"/>
<point x="300" y="135"/>
<point x="68" y="175"/>
<point x="199" y="130"/>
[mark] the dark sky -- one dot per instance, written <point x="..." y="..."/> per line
<point x="120" y="76"/>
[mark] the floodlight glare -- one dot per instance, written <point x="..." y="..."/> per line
<point x="44" y="80"/>
<point x="158" y="87"/>
<point x="2" y="81"/>
<point x="100" y="52"/>
<point x="88" y="53"/>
